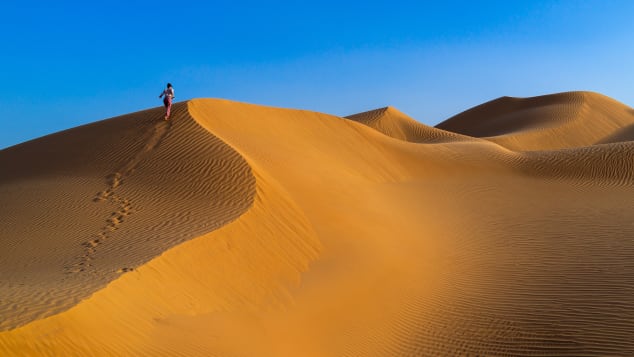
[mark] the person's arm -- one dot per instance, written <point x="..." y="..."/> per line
<point x="161" y="94"/>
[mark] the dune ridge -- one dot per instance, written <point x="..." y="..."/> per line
<point x="363" y="239"/>
<point x="392" y="122"/>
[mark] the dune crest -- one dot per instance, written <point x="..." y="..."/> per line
<point x="339" y="236"/>
<point x="392" y="122"/>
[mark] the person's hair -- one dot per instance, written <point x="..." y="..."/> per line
<point x="169" y="85"/>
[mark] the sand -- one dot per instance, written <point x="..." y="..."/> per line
<point x="245" y="230"/>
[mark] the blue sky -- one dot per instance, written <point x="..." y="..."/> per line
<point x="67" y="63"/>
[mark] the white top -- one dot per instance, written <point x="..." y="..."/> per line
<point x="169" y="92"/>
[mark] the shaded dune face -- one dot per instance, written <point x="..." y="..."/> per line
<point x="565" y="120"/>
<point x="82" y="206"/>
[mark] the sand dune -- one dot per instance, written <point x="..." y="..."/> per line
<point x="244" y="230"/>
<point x="392" y="122"/>
<point x="564" y="120"/>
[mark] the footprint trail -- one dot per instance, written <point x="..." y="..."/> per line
<point x="124" y="207"/>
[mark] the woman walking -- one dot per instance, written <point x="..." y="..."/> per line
<point x="168" y="93"/>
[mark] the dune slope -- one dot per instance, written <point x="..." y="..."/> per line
<point x="359" y="239"/>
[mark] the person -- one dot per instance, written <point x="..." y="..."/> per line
<point x="168" y="95"/>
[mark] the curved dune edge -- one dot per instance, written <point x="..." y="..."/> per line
<point x="360" y="244"/>
<point x="90" y="203"/>
<point x="548" y="122"/>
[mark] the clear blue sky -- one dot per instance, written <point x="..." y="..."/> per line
<point x="66" y="63"/>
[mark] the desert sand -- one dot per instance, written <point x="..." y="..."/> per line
<point x="244" y="230"/>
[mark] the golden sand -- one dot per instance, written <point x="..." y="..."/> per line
<point x="244" y="230"/>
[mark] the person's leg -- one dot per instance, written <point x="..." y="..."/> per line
<point x="167" y="103"/>
<point x="169" y="107"/>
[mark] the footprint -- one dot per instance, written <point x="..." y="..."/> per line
<point x="103" y="195"/>
<point x="114" y="180"/>
<point x="92" y="243"/>
<point x="114" y="221"/>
